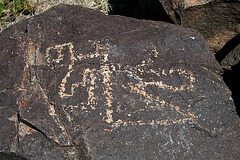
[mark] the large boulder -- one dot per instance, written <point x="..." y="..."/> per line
<point x="219" y="23"/>
<point x="76" y="84"/>
<point x="217" y="20"/>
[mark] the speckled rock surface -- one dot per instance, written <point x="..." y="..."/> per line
<point x="77" y="84"/>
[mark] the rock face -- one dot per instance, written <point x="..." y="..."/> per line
<point x="76" y="84"/>
<point x="217" y="20"/>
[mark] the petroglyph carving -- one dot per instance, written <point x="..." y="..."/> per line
<point x="103" y="77"/>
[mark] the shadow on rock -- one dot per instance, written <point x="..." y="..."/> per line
<point x="140" y="9"/>
<point x="231" y="78"/>
<point x="229" y="58"/>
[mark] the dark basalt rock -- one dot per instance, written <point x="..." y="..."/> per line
<point x="217" y="20"/>
<point x="76" y="84"/>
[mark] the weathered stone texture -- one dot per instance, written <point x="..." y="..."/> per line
<point x="77" y="84"/>
<point x="217" y="20"/>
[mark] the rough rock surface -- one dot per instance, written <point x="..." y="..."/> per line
<point x="76" y="84"/>
<point x="217" y="20"/>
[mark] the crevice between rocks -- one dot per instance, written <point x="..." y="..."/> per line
<point x="231" y="78"/>
<point x="227" y="48"/>
<point x="231" y="69"/>
<point x="140" y="9"/>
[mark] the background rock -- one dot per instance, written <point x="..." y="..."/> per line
<point x="77" y="84"/>
<point x="217" y="20"/>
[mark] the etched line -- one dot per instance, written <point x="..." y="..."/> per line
<point x="87" y="82"/>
